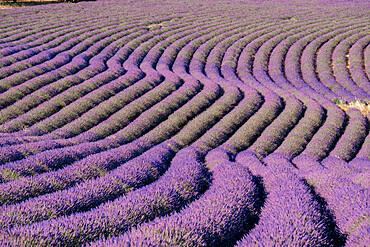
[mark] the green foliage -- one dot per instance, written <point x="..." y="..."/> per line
<point x="338" y="101"/>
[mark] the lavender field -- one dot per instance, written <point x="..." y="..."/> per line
<point x="185" y="123"/>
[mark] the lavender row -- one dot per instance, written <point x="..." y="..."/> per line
<point x="261" y="58"/>
<point x="184" y="181"/>
<point x="244" y="66"/>
<point x="44" y="53"/>
<point x="274" y="134"/>
<point x="298" y="138"/>
<point x="60" y="65"/>
<point x="364" y="152"/>
<point x="291" y="214"/>
<point x="94" y="96"/>
<point x="204" y="121"/>
<point x="65" y="133"/>
<point x="309" y="69"/>
<point x="353" y="136"/>
<point x="104" y="161"/>
<point x="325" y="138"/>
<point x="140" y="92"/>
<point x="134" y="129"/>
<point x="222" y="214"/>
<point x="254" y="126"/>
<point x="324" y="68"/>
<point x="348" y="201"/>
<point x="340" y="63"/>
<point x="15" y="152"/>
<point x="15" y="40"/>
<point x="131" y="175"/>
<point x="31" y="56"/>
<point x="66" y="195"/>
<point x="108" y="63"/>
<point x="81" y="82"/>
<point x="355" y="60"/>
<point x="230" y="123"/>
<point x="284" y="64"/>
<point x="26" y="32"/>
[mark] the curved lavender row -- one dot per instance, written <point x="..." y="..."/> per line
<point x="276" y="71"/>
<point x="91" y="80"/>
<point x="184" y="136"/>
<point x="340" y="63"/>
<point x="248" y="135"/>
<point x="27" y="37"/>
<point x="152" y="96"/>
<point x="273" y="63"/>
<point x="72" y="47"/>
<point x="131" y="86"/>
<point x="274" y="134"/>
<point x="304" y="130"/>
<point x="39" y="39"/>
<point x="43" y="93"/>
<point x="262" y="53"/>
<point x="108" y="62"/>
<point x="107" y="23"/>
<point x="70" y="129"/>
<point x="9" y="47"/>
<point x="285" y="68"/>
<point x="348" y="201"/>
<point x="27" y="187"/>
<point x="60" y="65"/>
<point x="325" y="71"/>
<point x="11" y="153"/>
<point x="68" y="194"/>
<point x="143" y="91"/>
<point x="162" y="70"/>
<point x="131" y="175"/>
<point x="185" y="179"/>
<point x="309" y="69"/>
<point x="24" y="35"/>
<point x="244" y="66"/>
<point x="354" y="135"/>
<point x="298" y="138"/>
<point x="279" y="60"/>
<point x="83" y="104"/>
<point x="325" y="138"/>
<point x="252" y="129"/>
<point x="205" y="120"/>
<point x="222" y="214"/>
<point x="134" y="129"/>
<point x="21" y="35"/>
<point x="231" y="122"/>
<point x="291" y="215"/>
<point x="356" y="66"/>
<point x="211" y="56"/>
<point x="36" y="52"/>
<point x="364" y="152"/>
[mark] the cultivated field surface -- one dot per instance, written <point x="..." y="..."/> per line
<point x="185" y="123"/>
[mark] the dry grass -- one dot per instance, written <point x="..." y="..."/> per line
<point x="364" y="108"/>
